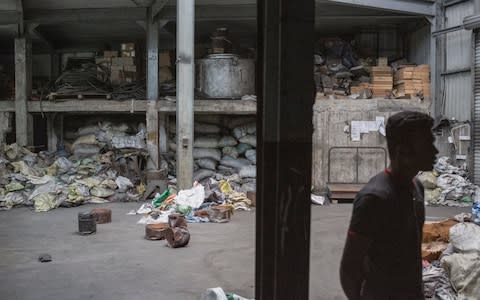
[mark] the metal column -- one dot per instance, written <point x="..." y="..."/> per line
<point x="286" y="93"/>
<point x="152" y="92"/>
<point x="476" y="100"/>
<point x="185" y="91"/>
<point x="23" y="87"/>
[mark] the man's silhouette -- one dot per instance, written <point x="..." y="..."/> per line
<point x="382" y="256"/>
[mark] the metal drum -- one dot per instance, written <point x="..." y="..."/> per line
<point x="225" y="76"/>
<point x="86" y="223"/>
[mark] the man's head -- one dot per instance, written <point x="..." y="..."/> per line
<point x="410" y="142"/>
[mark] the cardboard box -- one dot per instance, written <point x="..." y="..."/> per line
<point x="110" y="54"/>
<point x="130" y="68"/>
<point x="123" y="61"/>
<point x="127" y="46"/>
<point x="164" y="74"/>
<point x="128" y="53"/>
<point x="164" y="59"/>
<point x="382" y="61"/>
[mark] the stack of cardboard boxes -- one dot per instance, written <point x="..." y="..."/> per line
<point x="164" y="67"/>
<point x="413" y="81"/>
<point x="122" y="69"/>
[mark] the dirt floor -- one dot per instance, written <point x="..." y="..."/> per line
<point x="118" y="263"/>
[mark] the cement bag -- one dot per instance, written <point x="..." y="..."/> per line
<point x="207" y="163"/>
<point x="90" y="139"/>
<point x="206" y="128"/>
<point x="101" y="192"/>
<point x="106" y="126"/>
<point x="235" y="163"/>
<point x="433" y="196"/>
<point x="226" y="171"/>
<point x="132" y="142"/>
<point x="239" y="132"/>
<point x="12" y="199"/>
<point x="248" y="172"/>
<point x="201" y="174"/>
<point x="207" y="153"/>
<point x="63" y="165"/>
<point x="249" y="139"/>
<point x="230" y="151"/>
<point x="123" y="183"/>
<point x="465" y="237"/>
<point x="88" y="130"/>
<point x="85" y="150"/>
<point x="464" y="273"/>
<point x="242" y="148"/>
<point x="206" y="142"/>
<point x="251" y="155"/>
<point x="227" y="141"/>
<point x="238" y="121"/>
<point x="428" y="180"/>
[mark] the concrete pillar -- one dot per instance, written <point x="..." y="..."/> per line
<point x="23" y="87"/>
<point x="162" y="133"/>
<point x="152" y="92"/>
<point x="52" y="138"/>
<point x="185" y="91"/>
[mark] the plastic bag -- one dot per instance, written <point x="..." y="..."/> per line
<point x="249" y="139"/>
<point x="192" y="197"/>
<point x="465" y="237"/>
<point x="206" y="142"/>
<point x="101" y="192"/>
<point x="428" y="179"/>
<point x="159" y="198"/>
<point x="227" y="141"/>
<point x="230" y="151"/>
<point x="248" y="171"/>
<point x="44" y="202"/>
<point x="251" y="155"/>
<point x="207" y="153"/>
<point x="123" y="183"/>
<point x="207" y="163"/>
<point x="131" y="141"/>
<point x="476" y="213"/>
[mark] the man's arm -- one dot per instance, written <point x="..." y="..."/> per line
<point x="352" y="274"/>
<point x="363" y="228"/>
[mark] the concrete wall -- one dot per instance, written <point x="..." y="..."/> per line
<point x="330" y="118"/>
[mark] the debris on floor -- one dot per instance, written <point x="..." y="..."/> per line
<point x="46" y="180"/>
<point x="451" y="253"/>
<point x="219" y="294"/>
<point x="449" y="185"/>
<point x="45" y="258"/>
<point x="212" y="203"/>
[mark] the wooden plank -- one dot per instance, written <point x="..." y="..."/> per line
<point x="234" y="107"/>
<point x="345" y="187"/>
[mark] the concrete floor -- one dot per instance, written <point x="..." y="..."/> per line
<point x="118" y="263"/>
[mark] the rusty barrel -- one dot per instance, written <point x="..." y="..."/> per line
<point x="86" y="223"/>
<point x="102" y="215"/>
<point x="177" y="237"/>
<point x="156" y="231"/>
<point x="177" y="220"/>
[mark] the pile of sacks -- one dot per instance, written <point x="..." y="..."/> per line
<point x="449" y="186"/>
<point x="214" y="202"/>
<point x="453" y="272"/>
<point x="222" y="151"/>
<point x="89" y="140"/>
<point x="47" y="180"/>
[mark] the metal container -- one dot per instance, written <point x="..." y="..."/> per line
<point x="225" y="76"/>
<point x="102" y="215"/>
<point x="86" y="223"/>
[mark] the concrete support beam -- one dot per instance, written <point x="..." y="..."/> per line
<point x="185" y="91"/>
<point x="84" y="15"/>
<point x="23" y="87"/>
<point x="162" y="133"/>
<point x="157" y="6"/>
<point x="152" y="92"/>
<point x="286" y="94"/>
<point x="414" y="7"/>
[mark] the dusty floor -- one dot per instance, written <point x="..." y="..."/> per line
<point x="118" y="263"/>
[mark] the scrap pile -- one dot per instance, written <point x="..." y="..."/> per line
<point x="49" y="180"/>
<point x="221" y="151"/>
<point x="81" y="78"/>
<point x="341" y="74"/>
<point x="214" y="203"/>
<point x="451" y="253"/>
<point x="449" y="185"/>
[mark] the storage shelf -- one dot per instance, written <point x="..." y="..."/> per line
<point x="235" y="107"/>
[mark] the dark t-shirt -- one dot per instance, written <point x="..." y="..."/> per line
<point x="392" y="216"/>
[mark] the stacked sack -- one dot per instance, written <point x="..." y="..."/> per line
<point x="222" y="150"/>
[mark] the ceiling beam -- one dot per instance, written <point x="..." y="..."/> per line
<point x="214" y="13"/>
<point x="21" y="29"/>
<point x="8" y="17"/>
<point x="53" y="16"/>
<point x="413" y="7"/>
<point x="157" y="6"/>
<point x="34" y="34"/>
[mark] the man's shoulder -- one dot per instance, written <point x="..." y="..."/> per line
<point x="378" y="187"/>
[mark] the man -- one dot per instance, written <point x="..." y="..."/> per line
<point x="382" y="256"/>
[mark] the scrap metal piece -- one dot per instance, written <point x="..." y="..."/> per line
<point x="177" y="237"/>
<point x="102" y="215"/>
<point x="177" y="220"/>
<point x="86" y="223"/>
<point x="156" y="231"/>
